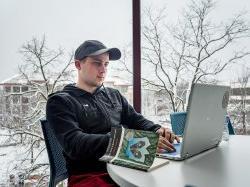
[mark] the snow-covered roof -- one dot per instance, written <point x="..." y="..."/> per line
<point x="14" y="79"/>
<point x="36" y="77"/>
<point x="117" y="81"/>
<point x="238" y="84"/>
<point x="20" y="79"/>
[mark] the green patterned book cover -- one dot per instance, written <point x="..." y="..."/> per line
<point x="132" y="148"/>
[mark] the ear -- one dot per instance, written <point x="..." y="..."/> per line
<point x="77" y="64"/>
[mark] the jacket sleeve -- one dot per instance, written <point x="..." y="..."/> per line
<point x="135" y="120"/>
<point x="77" y="145"/>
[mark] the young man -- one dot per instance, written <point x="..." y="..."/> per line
<point x="82" y="114"/>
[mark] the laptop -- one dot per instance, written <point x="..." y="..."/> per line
<point x="206" y="113"/>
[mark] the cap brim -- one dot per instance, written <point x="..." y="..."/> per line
<point x="114" y="53"/>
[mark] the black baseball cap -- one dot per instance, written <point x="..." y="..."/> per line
<point x="93" y="48"/>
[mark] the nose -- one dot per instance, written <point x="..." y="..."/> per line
<point x="102" y="68"/>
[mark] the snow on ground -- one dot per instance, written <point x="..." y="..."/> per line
<point x="10" y="157"/>
<point x="7" y="158"/>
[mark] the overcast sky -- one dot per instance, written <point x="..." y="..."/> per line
<point x="67" y="23"/>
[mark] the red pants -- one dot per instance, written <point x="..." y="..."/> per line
<point x="95" y="179"/>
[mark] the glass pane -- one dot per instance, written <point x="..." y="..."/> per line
<point x="7" y="99"/>
<point x="16" y="110"/>
<point x="8" y="109"/>
<point x="16" y="89"/>
<point x="16" y="99"/>
<point x="25" y="99"/>
<point x="182" y="44"/>
<point x="25" y="109"/>
<point x="25" y="88"/>
<point x="7" y="89"/>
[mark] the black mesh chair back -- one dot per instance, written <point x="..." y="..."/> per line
<point x="230" y="126"/>
<point x="58" y="171"/>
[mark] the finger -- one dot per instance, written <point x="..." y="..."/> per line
<point x="177" y="139"/>
<point x="167" y="134"/>
<point x="165" y="147"/>
<point x="172" y="138"/>
<point x="159" y="150"/>
<point x="165" y="144"/>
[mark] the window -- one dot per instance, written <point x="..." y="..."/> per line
<point x="124" y="89"/>
<point x="166" y="61"/>
<point x="16" y="99"/>
<point x="7" y="89"/>
<point x="1" y="109"/>
<point x="16" y="89"/>
<point x="25" y="109"/>
<point x="25" y="88"/>
<point x="7" y="99"/>
<point x="16" y="109"/>
<point x="7" y="108"/>
<point x="25" y="100"/>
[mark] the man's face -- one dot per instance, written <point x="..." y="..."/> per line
<point x="92" y="70"/>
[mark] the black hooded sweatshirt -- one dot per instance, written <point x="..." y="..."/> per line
<point x="82" y="122"/>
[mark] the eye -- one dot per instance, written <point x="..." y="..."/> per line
<point x="97" y="63"/>
<point x="106" y="64"/>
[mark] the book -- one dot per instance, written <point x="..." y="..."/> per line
<point x="133" y="148"/>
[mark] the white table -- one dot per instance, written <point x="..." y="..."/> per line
<point x="228" y="165"/>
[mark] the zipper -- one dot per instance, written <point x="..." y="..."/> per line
<point x="107" y="117"/>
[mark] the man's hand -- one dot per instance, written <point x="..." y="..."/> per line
<point x="166" y="139"/>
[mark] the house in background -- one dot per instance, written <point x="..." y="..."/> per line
<point x="240" y="93"/>
<point x="13" y="101"/>
<point x="17" y="95"/>
<point x="125" y="87"/>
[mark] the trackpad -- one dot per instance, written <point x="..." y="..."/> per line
<point x="176" y="153"/>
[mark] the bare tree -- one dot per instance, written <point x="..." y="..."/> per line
<point x="44" y="71"/>
<point x="189" y="52"/>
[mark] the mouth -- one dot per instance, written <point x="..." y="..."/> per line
<point x="100" y="77"/>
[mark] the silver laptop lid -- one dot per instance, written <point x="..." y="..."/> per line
<point x="206" y="113"/>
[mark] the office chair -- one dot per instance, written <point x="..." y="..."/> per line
<point x="58" y="171"/>
<point x="230" y="126"/>
<point x="178" y="123"/>
<point x="178" y="120"/>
